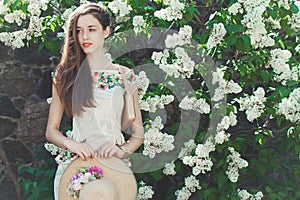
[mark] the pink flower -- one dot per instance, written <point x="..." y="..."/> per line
<point x="77" y="186"/>
<point x="95" y="169"/>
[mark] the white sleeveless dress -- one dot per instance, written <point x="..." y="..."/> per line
<point x="102" y="123"/>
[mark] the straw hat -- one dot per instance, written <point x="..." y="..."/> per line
<point x="117" y="183"/>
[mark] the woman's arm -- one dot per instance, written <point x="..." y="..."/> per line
<point x="53" y="134"/>
<point x="137" y="137"/>
<point x="137" y="129"/>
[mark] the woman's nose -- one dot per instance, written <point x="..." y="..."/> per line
<point x="84" y="35"/>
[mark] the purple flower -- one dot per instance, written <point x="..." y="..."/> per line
<point x="76" y="176"/>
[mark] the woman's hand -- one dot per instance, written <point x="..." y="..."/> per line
<point x="110" y="149"/>
<point x="84" y="151"/>
<point x="129" y="82"/>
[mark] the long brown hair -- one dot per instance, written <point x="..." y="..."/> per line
<point x="73" y="59"/>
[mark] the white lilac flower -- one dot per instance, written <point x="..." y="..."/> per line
<point x="192" y="183"/>
<point x="138" y="20"/>
<point x="144" y="192"/>
<point x="160" y="57"/>
<point x="275" y="24"/>
<point x="173" y="11"/>
<point x="216" y="36"/>
<point x="156" y="141"/>
<point x="13" y="39"/>
<point x="3" y="8"/>
<point x="142" y="82"/>
<point x="16" y="16"/>
<point x="221" y="137"/>
<point x="137" y="23"/>
<point x="245" y="195"/>
<point x="284" y="3"/>
<point x="227" y="121"/>
<point x="235" y="162"/>
<point x="35" y="27"/>
<point x="152" y="103"/>
<point x="179" y="39"/>
<point x="254" y="22"/>
<point x="182" y="65"/>
<point x="171" y="69"/>
<point x="254" y="105"/>
<point x="294" y="21"/>
<point x="290" y="107"/>
<point x="84" y="2"/>
<point x="224" y="86"/>
<point x="119" y="7"/>
<point x="41" y="4"/>
<point x="34" y="9"/>
<point x="189" y="160"/>
<point x="278" y="62"/>
<point x="203" y="150"/>
<point x="198" y="105"/>
<point x="189" y="146"/>
<point x="200" y="162"/>
<point x="184" y="61"/>
<point x="232" y="119"/>
<point x="235" y="8"/>
<point x="67" y="13"/>
<point x="203" y="165"/>
<point x="144" y="105"/>
<point x="169" y="168"/>
<point x="183" y="194"/>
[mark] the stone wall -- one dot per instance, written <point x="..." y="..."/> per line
<point x="25" y="84"/>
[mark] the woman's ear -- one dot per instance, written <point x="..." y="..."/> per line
<point x="107" y="31"/>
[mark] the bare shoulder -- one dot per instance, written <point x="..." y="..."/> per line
<point x="123" y="68"/>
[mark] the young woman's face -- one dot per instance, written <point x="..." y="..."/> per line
<point x="90" y="34"/>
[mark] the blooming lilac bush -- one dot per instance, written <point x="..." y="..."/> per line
<point x="250" y="150"/>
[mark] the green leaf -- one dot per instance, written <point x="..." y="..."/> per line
<point x="268" y="189"/>
<point x="157" y="175"/>
<point x="294" y="8"/>
<point x="243" y="43"/>
<point x="221" y="180"/>
<point x="247" y="42"/>
<point x="283" y="92"/>
<point x="274" y="162"/>
<point x="53" y="27"/>
<point x="268" y="133"/>
<point x="265" y="75"/>
<point x="220" y="164"/>
<point x="139" y="3"/>
<point x="52" y="45"/>
<point x="281" y="44"/>
<point x="231" y="40"/>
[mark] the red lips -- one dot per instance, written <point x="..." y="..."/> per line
<point x="86" y="44"/>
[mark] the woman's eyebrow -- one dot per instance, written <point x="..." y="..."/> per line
<point x="90" y="26"/>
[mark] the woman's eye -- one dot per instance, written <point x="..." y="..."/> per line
<point x="78" y="31"/>
<point x="92" y="30"/>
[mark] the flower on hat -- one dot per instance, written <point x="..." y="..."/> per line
<point x="85" y="175"/>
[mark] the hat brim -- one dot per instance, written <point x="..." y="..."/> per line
<point x="114" y="169"/>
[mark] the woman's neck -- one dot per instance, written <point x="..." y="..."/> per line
<point x="98" y="61"/>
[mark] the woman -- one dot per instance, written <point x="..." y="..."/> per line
<point x="91" y="90"/>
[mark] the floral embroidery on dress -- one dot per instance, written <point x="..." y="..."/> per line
<point x="104" y="80"/>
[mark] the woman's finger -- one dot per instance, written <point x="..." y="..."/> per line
<point x="91" y="152"/>
<point x="112" y="152"/>
<point x="81" y="156"/>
